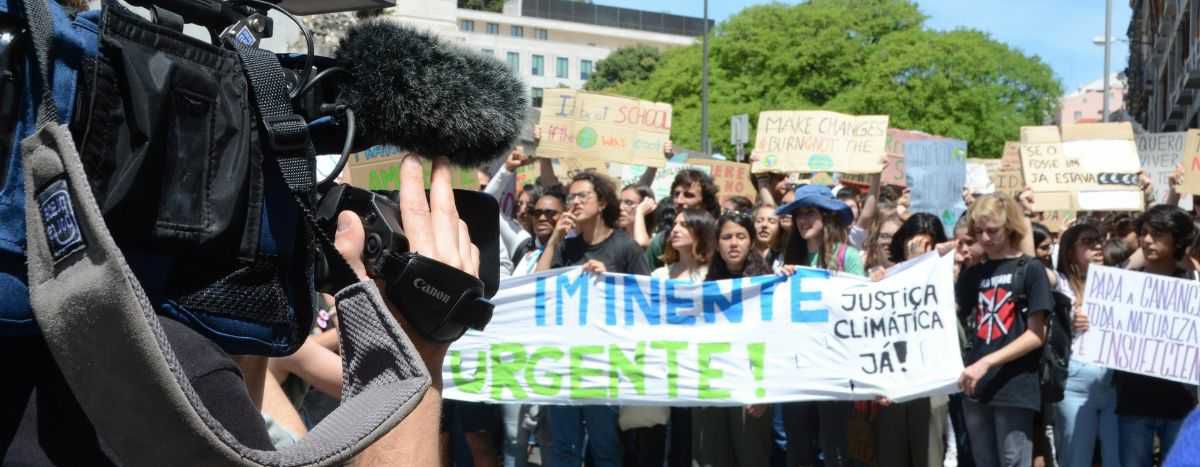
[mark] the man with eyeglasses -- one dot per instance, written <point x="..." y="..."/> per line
<point x="598" y="245"/>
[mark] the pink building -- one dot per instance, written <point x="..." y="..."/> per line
<point x="1086" y="104"/>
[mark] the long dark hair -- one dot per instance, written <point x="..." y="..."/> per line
<point x="1170" y="220"/>
<point x="832" y="232"/>
<point x="921" y="223"/>
<point x="704" y="237"/>
<point x="1082" y="232"/>
<point x="755" y="264"/>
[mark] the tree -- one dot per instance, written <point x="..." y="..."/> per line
<point x="960" y="84"/>
<point x="494" y="6"/>
<point x="623" y="65"/>
<point x="855" y="56"/>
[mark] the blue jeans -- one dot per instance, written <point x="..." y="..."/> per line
<point x="567" y="429"/>
<point x="1087" y="411"/>
<point x="1137" y="439"/>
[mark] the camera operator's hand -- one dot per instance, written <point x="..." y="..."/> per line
<point x="450" y="245"/>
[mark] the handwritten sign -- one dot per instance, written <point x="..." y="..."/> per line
<point x="567" y="337"/>
<point x="936" y="171"/>
<point x="582" y="125"/>
<point x="731" y="178"/>
<point x="1191" y="164"/>
<point x="378" y="168"/>
<point x="815" y="141"/>
<point x="1090" y="167"/>
<point x="1141" y="323"/>
<point x="1159" y="154"/>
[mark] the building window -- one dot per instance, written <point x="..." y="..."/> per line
<point x="518" y="31"/>
<point x="466" y="25"/>
<point x="535" y="97"/>
<point x="561" y="68"/>
<point x="585" y="69"/>
<point x="541" y="34"/>
<point x="1078" y="115"/>
<point x="538" y="65"/>
<point x="493" y="28"/>
<point x="514" y="63"/>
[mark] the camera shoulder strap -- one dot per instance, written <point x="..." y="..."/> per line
<point x="106" y="338"/>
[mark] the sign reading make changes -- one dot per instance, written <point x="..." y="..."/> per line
<point x="583" y="125"/>
<point x="566" y="337"/>
<point x="819" y="141"/>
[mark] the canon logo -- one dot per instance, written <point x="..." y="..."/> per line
<point x="423" y="286"/>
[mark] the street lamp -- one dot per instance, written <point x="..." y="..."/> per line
<point x="1099" y="40"/>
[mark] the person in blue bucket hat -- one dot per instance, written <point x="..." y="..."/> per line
<point x="820" y="224"/>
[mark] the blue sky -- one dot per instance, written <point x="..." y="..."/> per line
<point x="1058" y="31"/>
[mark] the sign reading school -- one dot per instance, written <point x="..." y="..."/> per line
<point x="1142" y="323"/>
<point x="1090" y="167"/>
<point x="582" y="125"/>
<point x="566" y="337"/>
<point x="819" y="141"/>
<point x="378" y="168"/>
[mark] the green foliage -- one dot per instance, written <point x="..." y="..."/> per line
<point x="960" y="84"/>
<point x="626" y="64"/>
<point x="494" y="6"/>
<point x="854" y="56"/>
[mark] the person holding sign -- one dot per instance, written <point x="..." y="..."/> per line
<point x="1088" y="408"/>
<point x="1148" y="406"/>
<point x="733" y="436"/>
<point x="689" y="249"/>
<point x="1005" y="336"/>
<point x="818" y="239"/>
<point x="910" y="433"/>
<point x="599" y="246"/>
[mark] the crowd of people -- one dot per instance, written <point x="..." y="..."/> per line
<point x="1105" y="417"/>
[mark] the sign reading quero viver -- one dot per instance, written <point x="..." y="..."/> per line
<point x="566" y="337"/>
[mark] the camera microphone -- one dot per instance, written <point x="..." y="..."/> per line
<point x="409" y="89"/>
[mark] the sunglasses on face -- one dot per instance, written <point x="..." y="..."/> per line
<point x="539" y="213"/>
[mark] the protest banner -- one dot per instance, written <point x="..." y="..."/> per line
<point x="378" y="168"/>
<point x="938" y="168"/>
<point x="1191" y="164"/>
<point x="567" y="337"/>
<point x="815" y="141"/>
<point x="583" y="125"/>
<point x="1056" y="221"/>
<point x="1141" y="323"/>
<point x="1160" y="154"/>
<point x="1090" y="167"/>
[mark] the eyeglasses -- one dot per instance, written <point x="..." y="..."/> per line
<point x="539" y="213"/>
<point x="581" y="196"/>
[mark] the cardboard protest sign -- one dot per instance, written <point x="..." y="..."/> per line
<point x="1056" y="221"/>
<point x="1141" y="323"/>
<point x="583" y="125"/>
<point x="566" y="337"/>
<point x="1090" y="167"/>
<point x="665" y="176"/>
<point x="378" y="168"/>
<point x="1159" y="154"/>
<point x="815" y="141"/>
<point x="893" y="162"/>
<point x="1006" y="173"/>
<point x="936" y="173"/>
<point x="1191" y="164"/>
<point x="731" y="178"/>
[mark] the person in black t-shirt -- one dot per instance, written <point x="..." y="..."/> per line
<point x="1001" y="379"/>
<point x="592" y="212"/>
<point x="1148" y="406"/>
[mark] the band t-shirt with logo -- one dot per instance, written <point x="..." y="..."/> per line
<point x="988" y="307"/>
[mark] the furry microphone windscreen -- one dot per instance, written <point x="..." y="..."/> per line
<point x="412" y="90"/>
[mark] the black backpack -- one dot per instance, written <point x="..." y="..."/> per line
<point x="1056" y="351"/>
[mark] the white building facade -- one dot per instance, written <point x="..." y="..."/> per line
<point x="549" y="43"/>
